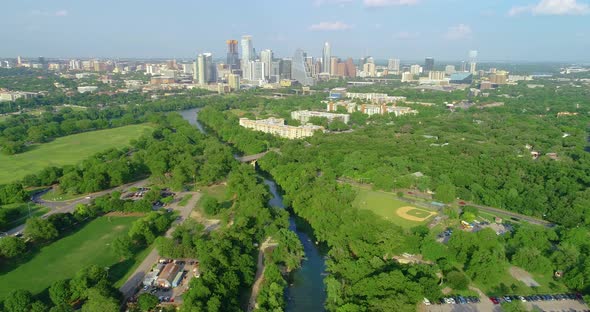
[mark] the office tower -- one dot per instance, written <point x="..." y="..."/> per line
<point x="369" y="69"/>
<point x="415" y="69"/>
<point x="206" y="71"/>
<point x="266" y="57"/>
<point x="473" y="61"/>
<point x="75" y="65"/>
<point x="19" y="61"/>
<point x="350" y="68"/>
<point x="300" y="70"/>
<point x="233" y="58"/>
<point x="187" y="68"/>
<point x="317" y="67"/>
<point x="333" y="64"/>
<point x="326" y="58"/>
<point x="257" y="70"/>
<point x="248" y="55"/>
<point x="341" y="69"/>
<point x="393" y="65"/>
<point x="463" y="66"/>
<point x="285" y="69"/>
<point x="407" y="76"/>
<point x="275" y="71"/>
<point x="450" y="69"/>
<point x="428" y="64"/>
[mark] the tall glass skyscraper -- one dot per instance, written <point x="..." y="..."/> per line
<point x="300" y="71"/>
<point x="247" y="55"/>
<point x="326" y="56"/>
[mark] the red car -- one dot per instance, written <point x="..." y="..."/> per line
<point x="494" y="300"/>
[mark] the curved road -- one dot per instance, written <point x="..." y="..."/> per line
<point x="70" y="205"/>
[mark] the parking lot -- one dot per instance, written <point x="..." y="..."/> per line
<point x="557" y="303"/>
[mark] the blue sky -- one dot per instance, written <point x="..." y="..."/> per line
<point x="511" y="30"/>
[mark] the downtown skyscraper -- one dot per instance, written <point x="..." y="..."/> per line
<point x="266" y="57"/>
<point x="326" y="58"/>
<point x="233" y="57"/>
<point x="247" y="55"/>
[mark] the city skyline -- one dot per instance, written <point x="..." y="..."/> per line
<point x="531" y="30"/>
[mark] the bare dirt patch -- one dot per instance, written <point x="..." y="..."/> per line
<point x="523" y="276"/>
<point x="403" y="212"/>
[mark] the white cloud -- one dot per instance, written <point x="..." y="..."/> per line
<point x="552" y="7"/>
<point x="458" y="32"/>
<point x="58" y="13"/>
<point x="386" y="3"/>
<point x="330" y="26"/>
<point x="61" y="13"/>
<point x="322" y="2"/>
<point x="405" y="35"/>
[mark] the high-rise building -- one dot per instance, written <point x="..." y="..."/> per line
<point x="415" y="69"/>
<point x="248" y="55"/>
<point x="473" y="68"/>
<point x="257" y="70"/>
<point x="266" y="57"/>
<point x="450" y="69"/>
<point x="350" y="68"/>
<point x="326" y="58"/>
<point x="369" y="69"/>
<point x="428" y="64"/>
<point x="233" y="58"/>
<point x="473" y="62"/>
<point x="19" y="61"/>
<point x="300" y="70"/>
<point x="233" y="81"/>
<point x="393" y="65"/>
<point x="75" y="65"/>
<point x="206" y="71"/>
<point x="463" y="66"/>
<point x="436" y="75"/>
<point x="285" y="69"/>
<point x="333" y="65"/>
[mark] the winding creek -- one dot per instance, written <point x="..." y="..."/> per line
<point x="307" y="291"/>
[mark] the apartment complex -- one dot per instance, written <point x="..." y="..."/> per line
<point x="304" y="115"/>
<point x="11" y="96"/>
<point x="276" y="126"/>
<point x="375" y="98"/>
<point x="369" y="109"/>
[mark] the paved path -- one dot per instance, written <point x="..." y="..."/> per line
<point x="70" y="205"/>
<point x="260" y="267"/>
<point x="128" y="289"/>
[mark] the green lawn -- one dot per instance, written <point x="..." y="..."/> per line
<point x="385" y="204"/>
<point x="66" y="151"/>
<point x="19" y="213"/>
<point x="63" y="258"/>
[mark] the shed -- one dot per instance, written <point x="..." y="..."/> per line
<point x="168" y="274"/>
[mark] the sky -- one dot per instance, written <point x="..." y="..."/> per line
<point x="501" y="30"/>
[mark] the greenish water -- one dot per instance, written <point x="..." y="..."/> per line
<point x="306" y="291"/>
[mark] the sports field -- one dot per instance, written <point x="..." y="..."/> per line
<point x="63" y="258"/>
<point x="66" y="151"/>
<point x="388" y="206"/>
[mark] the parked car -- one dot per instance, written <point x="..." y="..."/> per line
<point x="494" y="300"/>
<point x="507" y="299"/>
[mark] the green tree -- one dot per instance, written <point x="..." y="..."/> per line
<point x="147" y="302"/>
<point x="123" y="246"/>
<point x="40" y="229"/>
<point x="11" y="246"/>
<point x="60" y="293"/>
<point x="457" y="280"/>
<point x="209" y="204"/>
<point x="445" y="193"/>
<point x="98" y="302"/>
<point x="18" y="301"/>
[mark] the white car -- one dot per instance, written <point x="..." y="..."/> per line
<point x="426" y="301"/>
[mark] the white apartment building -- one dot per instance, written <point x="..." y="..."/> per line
<point x="304" y="115"/>
<point x="276" y="126"/>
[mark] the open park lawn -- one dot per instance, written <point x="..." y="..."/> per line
<point x="63" y="258"/>
<point x="388" y="206"/>
<point x="66" y="151"/>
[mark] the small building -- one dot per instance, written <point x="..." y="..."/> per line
<point x="167" y="276"/>
<point x="150" y="278"/>
<point x="177" y="279"/>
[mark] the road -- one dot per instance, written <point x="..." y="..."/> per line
<point x="518" y="216"/>
<point x="128" y="289"/>
<point x="70" y="205"/>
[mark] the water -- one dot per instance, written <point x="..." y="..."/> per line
<point x="307" y="291"/>
<point x="190" y="115"/>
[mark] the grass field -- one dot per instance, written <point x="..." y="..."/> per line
<point x="386" y="205"/>
<point x="66" y="151"/>
<point x="63" y="258"/>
